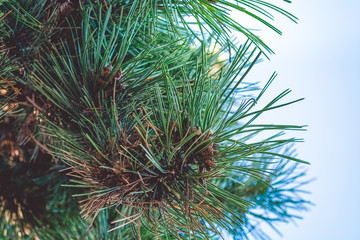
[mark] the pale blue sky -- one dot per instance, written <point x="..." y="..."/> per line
<point x="319" y="59"/>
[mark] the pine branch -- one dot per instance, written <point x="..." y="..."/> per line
<point x="148" y="122"/>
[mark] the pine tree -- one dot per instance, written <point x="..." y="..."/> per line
<point x="121" y="120"/>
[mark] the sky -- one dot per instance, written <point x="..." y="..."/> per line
<point x="319" y="59"/>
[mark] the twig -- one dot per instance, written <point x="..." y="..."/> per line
<point x="40" y="144"/>
<point x="126" y="223"/>
<point x="9" y="48"/>
<point x="12" y="86"/>
<point x="34" y="104"/>
<point x="125" y="218"/>
<point x="3" y="17"/>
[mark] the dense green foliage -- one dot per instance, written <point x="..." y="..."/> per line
<point x="119" y="120"/>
